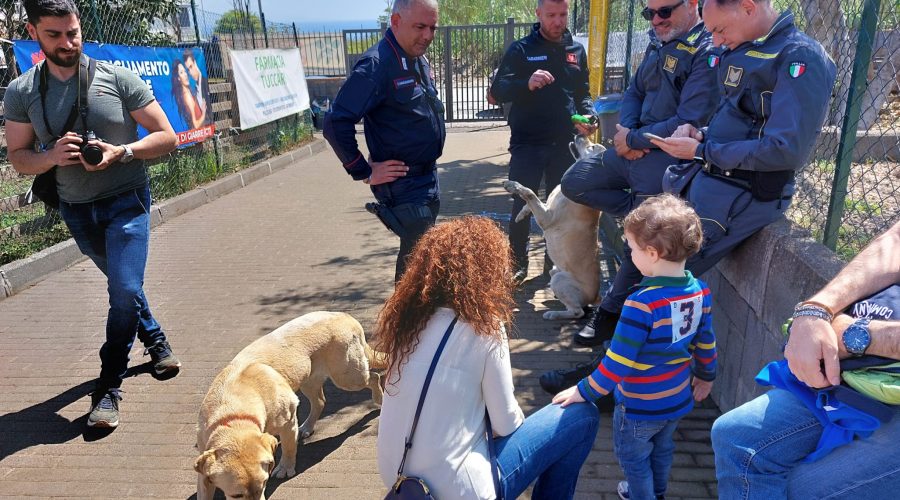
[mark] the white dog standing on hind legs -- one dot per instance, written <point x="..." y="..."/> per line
<point x="570" y="231"/>
<point x="254" y="398"/>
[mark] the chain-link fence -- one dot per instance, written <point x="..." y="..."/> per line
<point x="845" y="218"/>
<point x="26" y="228"/>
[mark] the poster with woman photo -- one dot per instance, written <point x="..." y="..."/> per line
<point x="177" y="77"/>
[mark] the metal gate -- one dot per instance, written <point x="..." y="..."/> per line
<point x="463" y="59"/>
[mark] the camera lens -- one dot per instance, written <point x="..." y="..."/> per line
<point x="91" y="153"/>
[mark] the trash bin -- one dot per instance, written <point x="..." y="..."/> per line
<point x="319" y="106"/>
<point x="607" y="109"/>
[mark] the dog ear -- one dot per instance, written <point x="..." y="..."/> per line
<point x="270" y="441"/>
<point x="205" y="461"/>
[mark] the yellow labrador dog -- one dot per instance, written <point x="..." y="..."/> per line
<point x="254" y="398"/>
<point x="570" y="230"/>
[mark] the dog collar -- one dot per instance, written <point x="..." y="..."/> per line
<point x="224" y="421"/>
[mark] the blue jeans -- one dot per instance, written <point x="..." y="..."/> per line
<point x="759" y="447"/>
<point x="550" y="446"/>
<point x="644" y="449"/>
<point x="114" y="232"/>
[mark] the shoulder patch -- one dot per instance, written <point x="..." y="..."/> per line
<point x="571" y="58"/>
<point x="712" y="61"/>
<point x="686" y="48"/>
<point x="733" y="78"/>
<point x="796" y="69"/>
<point x="761" y="55"/>
<point x="671" y="63"/>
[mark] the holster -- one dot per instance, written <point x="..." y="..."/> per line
<point x="400" y="217"/>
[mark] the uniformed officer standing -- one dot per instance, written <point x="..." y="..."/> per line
<point x="392" y="89"/>
<point x="545" y="77"/>
<point x="674" y="85"/>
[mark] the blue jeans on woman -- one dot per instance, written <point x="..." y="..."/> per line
<point x="114" y="232"/>
<point x="645" y="449"/>
<point x="760" y="447"/>
<point x="549" y="446"/>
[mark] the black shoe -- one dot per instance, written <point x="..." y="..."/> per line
<point x="520" y="275"/>
<point x="600" y="329"/>
<point x="556" y="381"/>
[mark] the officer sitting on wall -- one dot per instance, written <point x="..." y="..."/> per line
<point x="674" y="85"/>
<point x="775" y="84"/>
<point x="392" y="89"/>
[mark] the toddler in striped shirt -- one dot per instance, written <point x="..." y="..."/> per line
<point x="663" y="337"/>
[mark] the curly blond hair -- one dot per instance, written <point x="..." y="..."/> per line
<point x="464" y="264"/>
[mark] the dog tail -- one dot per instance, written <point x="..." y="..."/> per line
<point x="377" y="360"/>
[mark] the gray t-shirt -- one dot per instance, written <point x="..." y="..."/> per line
<point x="114" y="93"/>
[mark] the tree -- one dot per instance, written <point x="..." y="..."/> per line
<point x="236" y="21"/>
<point x="128" y="22"/>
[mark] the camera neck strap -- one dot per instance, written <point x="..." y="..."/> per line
<point x="86" y="69"/>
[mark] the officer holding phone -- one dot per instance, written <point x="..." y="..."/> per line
<point x="674" y="85"/>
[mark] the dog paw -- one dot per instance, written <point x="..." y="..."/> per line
<point x="551" y="315"/>
<point x="305" y="433"/>
<point x="282" y="471"/>
<point x="512" y="187"/>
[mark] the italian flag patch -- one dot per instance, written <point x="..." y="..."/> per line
<point x="797" y="69"/>
<point x="712" y="61"/>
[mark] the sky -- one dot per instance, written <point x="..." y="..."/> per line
<point x="302" y="11"/>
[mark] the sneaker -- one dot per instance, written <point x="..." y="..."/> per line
<point x="520" y="275"/>
<point x="104" y="408"/>
<point x="163" y="359"/>
<point x="600" y="329"/>
<point x="622" y="490"/>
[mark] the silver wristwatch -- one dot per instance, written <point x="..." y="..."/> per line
<point x="128" y="156"/>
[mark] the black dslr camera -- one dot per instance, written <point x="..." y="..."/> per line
<point x="91" y="152"/>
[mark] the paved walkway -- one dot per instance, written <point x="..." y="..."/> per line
<point x="221" y="276"/>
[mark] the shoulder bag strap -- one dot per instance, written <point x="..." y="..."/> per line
<point x="86" y="70"/>
<point x="494" y="469"/>
<point x="434" y="361"/>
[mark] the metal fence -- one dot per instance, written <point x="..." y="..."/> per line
<point x="850" y="190"/>
<point x="26" y="228"/>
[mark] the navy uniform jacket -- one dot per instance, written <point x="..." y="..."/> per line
<point x="396" y="97"/>
<point x="543" y="116"/>
<point x="775" y="94"/>
<point x="674" y="85"/>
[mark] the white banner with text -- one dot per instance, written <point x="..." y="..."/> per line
<point x="270" y="84"/>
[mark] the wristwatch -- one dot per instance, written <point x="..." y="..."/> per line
<point x="128" y="156"/>
<point x="856" y="337"/>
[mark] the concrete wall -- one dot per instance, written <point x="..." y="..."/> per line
<point x="754" y="291"/>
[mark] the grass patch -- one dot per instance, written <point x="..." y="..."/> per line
<point x="12" y="249"/>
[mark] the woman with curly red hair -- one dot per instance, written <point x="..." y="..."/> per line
<point x="461" y="269"/>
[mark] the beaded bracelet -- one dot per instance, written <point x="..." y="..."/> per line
<point x="817" y="304"/>
<point x="815" y="312"/>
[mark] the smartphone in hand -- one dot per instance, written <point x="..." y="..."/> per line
<point x="650" y="136"/>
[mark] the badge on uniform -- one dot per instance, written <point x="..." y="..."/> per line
<point x="712" y="61"/>
<point x="671" y="62"/>
<point x="571" y="58"/>
<point x="733" y="78"/>
<point x="796" y="69"/>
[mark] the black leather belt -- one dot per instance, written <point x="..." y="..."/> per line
<point x="736" y="174"/>
<point x="416" y="170"/>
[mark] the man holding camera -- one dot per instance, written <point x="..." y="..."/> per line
<point x="102" y="182"/>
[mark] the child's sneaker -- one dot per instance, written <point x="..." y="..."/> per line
<point x="622" y="490"/>
<point x="163" y="360"/>
<point x="104" y="408"/>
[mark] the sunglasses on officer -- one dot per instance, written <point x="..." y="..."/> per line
<point x="662" y="12"/>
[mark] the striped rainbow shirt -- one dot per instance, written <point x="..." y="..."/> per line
<point x="664" y="334"/>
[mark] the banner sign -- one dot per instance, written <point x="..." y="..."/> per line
<point x="270" y="84"/>
<point x="177" y="77"/>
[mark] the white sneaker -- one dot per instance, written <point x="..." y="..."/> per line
<point x="622" y="490"/>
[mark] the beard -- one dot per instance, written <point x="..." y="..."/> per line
<point x="64" y="59"/>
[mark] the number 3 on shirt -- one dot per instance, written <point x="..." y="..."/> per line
<point x="686" y="315"/>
